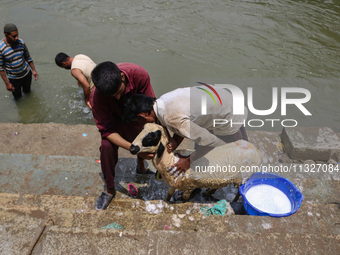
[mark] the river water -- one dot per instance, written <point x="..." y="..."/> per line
<point x="248" y="43"/>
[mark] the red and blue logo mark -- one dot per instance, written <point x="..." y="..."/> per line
<point x="209" y="93"/>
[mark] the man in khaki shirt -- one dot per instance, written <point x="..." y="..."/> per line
<point x="81" y="67"/>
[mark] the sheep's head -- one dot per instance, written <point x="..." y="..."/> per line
<point x="152" y="139"/>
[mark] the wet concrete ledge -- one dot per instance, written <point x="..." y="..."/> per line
<point x="82" y="140"/>
<point x="318" y="144"/>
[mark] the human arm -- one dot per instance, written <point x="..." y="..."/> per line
<point x="106" y="113"/>
<point x="183" y="163"/>
<point x="34" y="72"/>
<point x="174" y="142"/>
<point x="116" y="139"/>
<point x="3" y="75"/>
<point x="79" y="76"/>
<point x="206" y="141"/>
<point x="9" y="85"/>
<point x="29" y="60"/>
<point x="182" y="126"/>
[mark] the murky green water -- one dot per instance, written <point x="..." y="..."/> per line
<point x="262" y="44"/>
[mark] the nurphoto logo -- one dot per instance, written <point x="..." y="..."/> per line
<point x="239" y="103"/>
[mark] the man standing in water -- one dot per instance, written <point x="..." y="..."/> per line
<point x="113" y="83"/>
<point x="81" y="67"/>
<point x="16" y="65"/>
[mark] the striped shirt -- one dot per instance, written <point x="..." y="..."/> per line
<point x="14" y="61"/>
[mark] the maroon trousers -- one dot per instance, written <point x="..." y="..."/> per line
<point x="109" y="154"/>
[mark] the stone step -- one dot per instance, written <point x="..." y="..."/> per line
<point x="35" y="188"/>
<point x="313" y="229"/>
<point x="81" y="176"/>
<point x="61" y="240"/>
<point x="58" y="240"/>
<point x="73" y="211"/>
<point x="136" y="214"/>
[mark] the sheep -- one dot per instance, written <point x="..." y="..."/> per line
<point x="154" y="138"/>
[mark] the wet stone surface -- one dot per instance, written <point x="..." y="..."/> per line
<point x="51" y="171"/>
<point x="311" y="143"/>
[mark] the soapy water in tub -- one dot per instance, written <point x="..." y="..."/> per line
<point x="268" y="199"/>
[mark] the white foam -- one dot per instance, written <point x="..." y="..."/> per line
<point x="154" y="208"/>
<point x="268" y="199"/>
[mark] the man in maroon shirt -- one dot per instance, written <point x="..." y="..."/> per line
<point x="113" y="83"/>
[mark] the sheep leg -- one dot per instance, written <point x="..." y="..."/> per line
<point x="210" y="192"/>
<point x="237" y="196"/>
<point x="171" y="191"/>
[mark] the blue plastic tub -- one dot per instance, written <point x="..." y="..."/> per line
<point x="277" y="181"/>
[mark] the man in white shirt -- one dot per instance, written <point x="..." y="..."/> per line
<point x="81" y="67"/>
<point x="180" y="111"/>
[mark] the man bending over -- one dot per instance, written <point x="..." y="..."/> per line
<point x="180" y="111"/>
<point x="113" y="83"/>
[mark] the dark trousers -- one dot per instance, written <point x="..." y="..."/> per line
<point x="23" y="84"/>
<point x="109" y="154"/>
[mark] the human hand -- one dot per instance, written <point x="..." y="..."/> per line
<point x="146" y="155"/>
<point x="88" y="104"/>
<point x="35" y="75"/>
<point x="172" y="145"/>
<point x="182" y="165"/>
<point x="9" y="87"/>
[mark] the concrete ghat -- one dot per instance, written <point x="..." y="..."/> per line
<point x="50" y="171"/>
<point x="311" y="143"/>
<point x="77" y="230"/>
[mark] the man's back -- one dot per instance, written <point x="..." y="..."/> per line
<point x="85" y="64"/>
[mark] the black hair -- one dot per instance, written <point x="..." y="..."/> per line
<point x="107" y="78"/>
<point x="60" y="58"/>
<point x="136" y="104"/>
